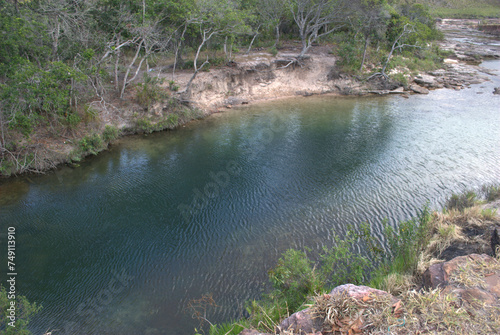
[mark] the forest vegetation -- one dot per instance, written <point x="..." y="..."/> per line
<point x="62" y="62"/>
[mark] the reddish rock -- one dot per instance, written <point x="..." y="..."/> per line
<point x="485" y="292"/>
<point x="357" y="292"/>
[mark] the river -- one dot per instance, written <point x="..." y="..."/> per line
<point x="121" y="244"/>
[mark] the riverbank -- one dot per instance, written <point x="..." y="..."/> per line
<point x="442" y="274"/>
<point x="248" y="79"/>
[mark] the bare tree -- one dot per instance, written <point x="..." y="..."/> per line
<point x="398" y="44"/>
<point x="206" y="35"/>
<point x="316" y="18"/>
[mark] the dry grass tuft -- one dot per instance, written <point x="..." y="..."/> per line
<point x="396" y="283"/>
<point x="430" y="311"/>
<point x="473" y="272"/>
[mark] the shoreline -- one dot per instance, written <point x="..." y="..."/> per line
<point x="259" y="78"/>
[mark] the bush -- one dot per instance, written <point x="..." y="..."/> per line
<point x="72" y="120"/>
<point x="273" y="51"/>
<point x="110" y="133"/>
<point x="172" y="86"/>
<point x="228" y="328"/>
<point x="350" y="52"/>
<point x="91" y="144"/>
<point x="295" y="278"/>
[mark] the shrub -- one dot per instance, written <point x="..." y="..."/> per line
<point x="189" y="64"/>
<point x="273" y="51"/>
<point x="91" y="144"/>
<point x="350" y="53"/>
<point x="228" y="328"/>
<point x="91" y="114"/>
<point x="295" y="278"/>
<point x="144" y="125"/>
<point x="72" y="120"/>
<point x="172" y="86"/>
<point x="149" y="91"/>
<point x="110" y="133"/>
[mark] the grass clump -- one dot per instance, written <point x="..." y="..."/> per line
<point x="491" y="192"/>
<point x="461" y="201"/>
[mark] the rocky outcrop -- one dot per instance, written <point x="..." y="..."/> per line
<point x="306" y="322"/>
<point x="466" y="277"/>
<point x="496" y="90"/>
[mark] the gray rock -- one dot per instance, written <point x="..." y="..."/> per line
<point x="301" y="323"/>
<point x="425" y="80"/>
<point x="419" y="89"/>
<point x="496" y="90"/>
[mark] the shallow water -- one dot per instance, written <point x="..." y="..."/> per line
<point x="122" y="243"/>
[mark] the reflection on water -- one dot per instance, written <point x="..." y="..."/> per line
<point x="106" y="249"/>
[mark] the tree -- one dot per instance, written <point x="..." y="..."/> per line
<point x="399" y="43"/>
<point x="316" y="18"/>
<point x="371" y="21"/>
<point x="272" y="12"/>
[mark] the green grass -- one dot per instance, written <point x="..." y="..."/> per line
<point x="487" y="11"/>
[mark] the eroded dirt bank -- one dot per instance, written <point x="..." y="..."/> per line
<point x="261" y="76"/>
